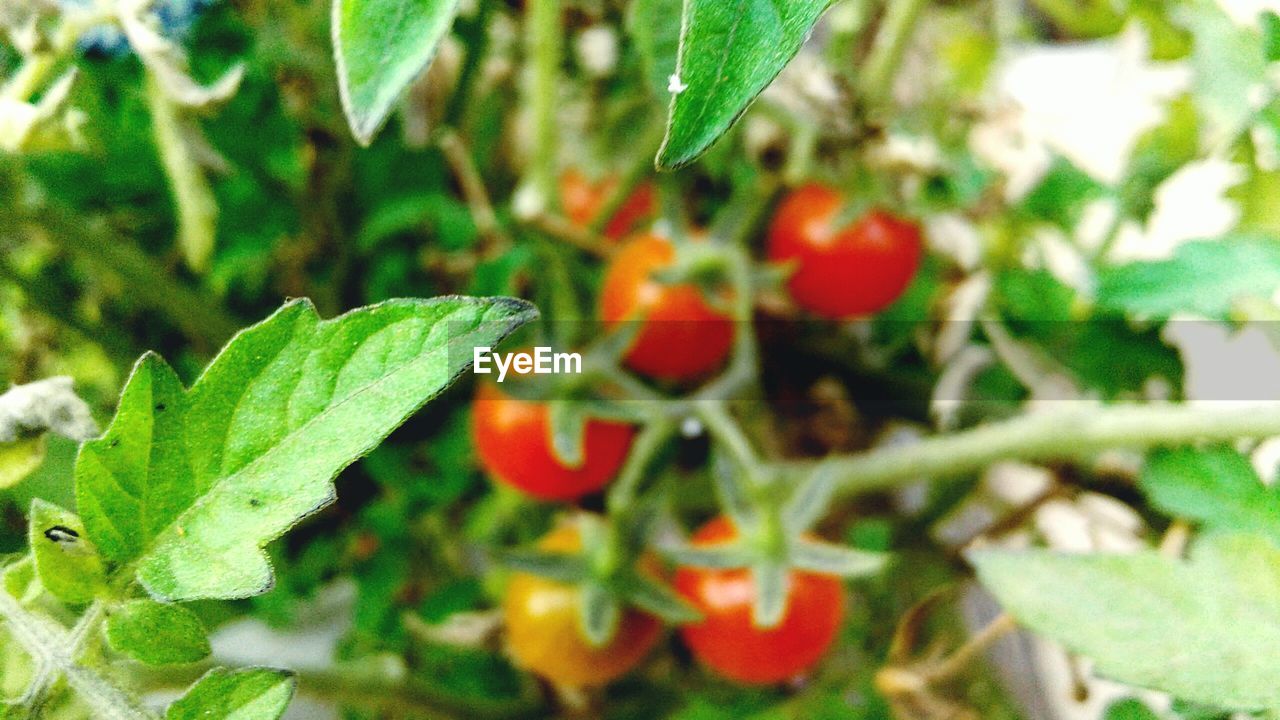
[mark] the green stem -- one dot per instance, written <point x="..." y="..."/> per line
<point x="199" y="316"/>
<point x="623" y="491"/>
<point x="1071" y="433"/>
<point x="545" y="48"/>
<point x="55" y="653"/>
<point x="726" y="431"/>
<point x="890" y="45"/>
<point x="193" y="198"/>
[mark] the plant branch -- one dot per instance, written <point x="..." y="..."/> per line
<point x="55" y="652"/>
<point x="545" y="46"/>
<point x="1070" y="433"/>
<point x="881" y="67"/>
<point x="459" y="158"/>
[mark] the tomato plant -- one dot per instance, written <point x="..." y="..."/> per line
<point x="842" y="271"/>
<point x="671" y="315"/>
<point x="513" y="441"/>
<point x="544" y="633"/>
<point x="729" y="641"/>
<point x="958" y="318"/>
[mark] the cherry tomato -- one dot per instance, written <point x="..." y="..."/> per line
<point x="682" y="337"/>
<point x="513" y="441"/>
<point x="544" y="633"/>
<point x="729" y="643"/>
<point x="583" y="200"/>
<point x="843" y="272"/>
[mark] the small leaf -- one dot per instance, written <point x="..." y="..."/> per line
<point x="601" y="613"/>
<point x="660" y="600"/>
<point x="380" y="47"/>
<point x="830" y="559"/>
<point x="730" y="50"/>
<point x="1204" y="630"/>
<point x="19" y="459"/>
<point x="188" y="486"/>
<point x="655" y="27"/>
<point x="568" y="431"/>
<point x="734" y="496"/>
<point x="811" y="499"/>
<point x="1217" y="487"/>
<point x="1206" y="278"/>
<point x="720" y="557"/>
<point x="558" y="566"/>
<point x="157" y="634"/>
<point x="66" y="563"/>
<point x="249" y="694"/>
<point x="772" y="584"/>
<point x="1129" y="709"/>
<point x="19" y="577"/>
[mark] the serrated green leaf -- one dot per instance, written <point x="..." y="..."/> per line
<point x="1217" y="487"/>
<point x="772" y="582"/>
<point x="730" y="50"/>
<point x="157" y="633"/>
<point x="655" y="27"/>
<point x="66" y="563"/>
<point x="829" y="559"/>
<point x="250" y="694"/>
<point x="1204" y="630"/>
<point x="600" y="613"/>
<point x="188" y="486"/>
<point x="380" y="47"/>
<point x="1206" y="278"/>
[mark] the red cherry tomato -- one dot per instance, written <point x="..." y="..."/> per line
<point x="543" y="628"/>
<point x="583" y="200"/>
<point x="729" y="643"/>
<point x="843" y="272"/>
<point x="513" y="441"/>
<point x="682" y="337"/>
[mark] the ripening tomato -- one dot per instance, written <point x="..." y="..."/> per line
<point x="583" y="200"/>
<point x="682" y="336"/>
<point x="544" y="632"/>
<point x="843" y="272"/>
<point x="513" y="441"/>
<point x="729" y="643"/>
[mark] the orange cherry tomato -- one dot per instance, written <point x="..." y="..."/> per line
<point x="843" y="272"/>
<point x="682" y="337"/>
<point x="728" y="642"/>
<point x="513" y="441"/>
<point x="544" y="633"/>
<point x="583" y="200"/>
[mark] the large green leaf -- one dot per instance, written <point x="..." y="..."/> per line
<point x="187" y="486"/>
<point x="1217" y="487"/>
<point x="730" y="50"/>
<point x="1206" y="278"/>
<point x="379" y="47"/>
<point x="251" y="694"/>
<point x="1205" y="630"/>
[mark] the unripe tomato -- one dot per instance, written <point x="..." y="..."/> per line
<point x="513" y="441"/>
<point x="728" y="642"/>
<point x="682" y="336"/>
<point x="544" y="634"/>
<point x="843" y="272"/>
<point x="583" y="200"/>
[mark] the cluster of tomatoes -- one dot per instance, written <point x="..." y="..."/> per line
<point x="840" y="267"/>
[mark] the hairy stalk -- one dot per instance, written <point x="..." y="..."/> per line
<point x="192" y="197"/>
<point x="1069" y="433"/>
<point x="545" y="47"/>
<point x="881" y="67"/>
<point x="458" y="155"/>
<point x="55" y="653"/>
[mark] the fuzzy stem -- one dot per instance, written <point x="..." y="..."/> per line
<point x="1070" y="433"/>
<point x="545" y="48"/>
<point x="890" y="45"/>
